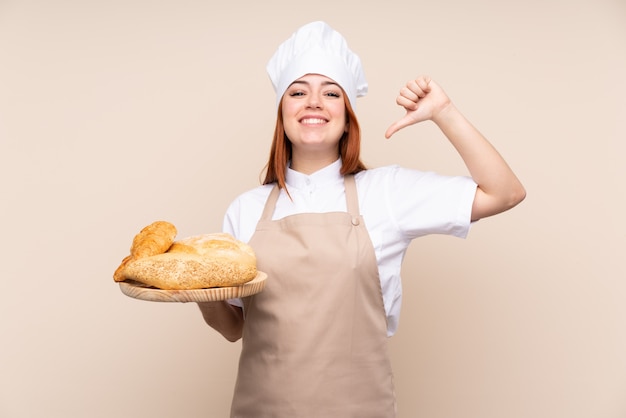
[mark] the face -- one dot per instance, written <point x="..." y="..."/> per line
<point x="314" y="114"/>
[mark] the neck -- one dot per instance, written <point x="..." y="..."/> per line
<point x="309" y="163"/>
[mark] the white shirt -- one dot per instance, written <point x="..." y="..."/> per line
<point x="397" y="205"/>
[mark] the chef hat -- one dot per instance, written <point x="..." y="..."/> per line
<point x="316" y="48"/>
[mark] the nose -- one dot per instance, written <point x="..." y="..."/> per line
<point x="314" y="102"/>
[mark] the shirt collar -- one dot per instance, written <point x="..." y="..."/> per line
<point x="325" y="176"/>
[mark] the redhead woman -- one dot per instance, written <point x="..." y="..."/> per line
<point x="331" y="235"/>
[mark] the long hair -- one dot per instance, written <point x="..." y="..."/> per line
<point x="280" y="152"/>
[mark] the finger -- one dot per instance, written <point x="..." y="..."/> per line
<point x="423" y="82"/>
<point x="391" y="130"/>
<point x="420" y="86"/>
<point x="408" y="104"/>
<point x="408" y="93"/>
<point x="416" y="89"/>
<point x="397" y="125"/>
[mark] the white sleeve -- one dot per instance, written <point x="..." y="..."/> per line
<point x="230" y="224"/>
<point x="422" y="203"/>
<point x="242" y="216"/>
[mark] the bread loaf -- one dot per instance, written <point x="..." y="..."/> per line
<point x="197" y="262"/>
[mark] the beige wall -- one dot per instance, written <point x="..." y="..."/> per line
<point x="117" y="113"/>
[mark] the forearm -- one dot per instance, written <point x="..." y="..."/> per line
<point x="499" y="188"/>
<point x="224" y="318"/>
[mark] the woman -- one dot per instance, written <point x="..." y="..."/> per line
<point x="331" y="236"/>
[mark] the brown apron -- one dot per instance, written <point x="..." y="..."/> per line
<point x="315" y="339"/>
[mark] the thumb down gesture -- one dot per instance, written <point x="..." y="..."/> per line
<point x="422" y="99"/>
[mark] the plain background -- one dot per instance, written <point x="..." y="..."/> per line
<point x="117" y="113"/>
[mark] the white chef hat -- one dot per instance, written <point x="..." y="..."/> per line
<point x="316" y="48"/>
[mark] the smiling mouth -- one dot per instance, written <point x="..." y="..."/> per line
<point x="313" y="121"/>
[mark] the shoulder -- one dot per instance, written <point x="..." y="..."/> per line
<point x="398" y="177"/>
<point x="251" y="201"/>
<point x="390" y="175"/>
<point x="258" y="195"/>
<point x="245" y="210"/>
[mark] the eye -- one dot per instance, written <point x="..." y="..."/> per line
<point x="333" y="94"/>
<point x="296" y="93"/>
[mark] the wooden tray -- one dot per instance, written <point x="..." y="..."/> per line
<point x="140" y="291"/>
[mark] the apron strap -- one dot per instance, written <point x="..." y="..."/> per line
<point x="270" y="204"/>
<point x="352" y="198"/>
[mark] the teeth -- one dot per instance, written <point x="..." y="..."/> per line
<point x="313" y="121"/>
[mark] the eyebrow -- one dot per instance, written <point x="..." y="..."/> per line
<point x="324" y="83"/>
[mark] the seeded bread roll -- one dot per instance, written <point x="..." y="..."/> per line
<point x="197" y="262"/>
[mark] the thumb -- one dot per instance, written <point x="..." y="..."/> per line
<point x="397" y="125"/>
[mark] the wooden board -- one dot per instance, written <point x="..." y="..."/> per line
<point x="140" y="291"/>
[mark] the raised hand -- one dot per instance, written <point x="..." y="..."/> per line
<point x="422" y="99"/>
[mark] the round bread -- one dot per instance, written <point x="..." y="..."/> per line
<point x="198" y="262"/>
<point x="214" y="245"/>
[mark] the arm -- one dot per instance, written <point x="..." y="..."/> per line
<point x="498" y="187"/>
<point x="224" y="318"/>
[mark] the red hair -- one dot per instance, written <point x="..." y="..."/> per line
<point x="349" y="149"/>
